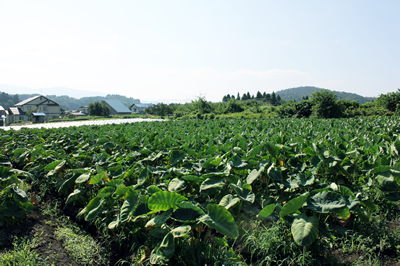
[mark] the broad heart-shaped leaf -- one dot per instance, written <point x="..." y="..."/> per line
<point x="221" y="220"/>
<point x="293" y="205"/>
<point x="272" y="149"/>
<point x="274" y="174"/>
<point x="253" y="175"/>
<point x="266" y="211"/>
<point x="193" y="179"/>
<point x="187" y="212"/>
<point x="83" y="178"/>
<point x="228" y="201"/>
<point x="114" y="182"/>
<point x="244" y="193"/>
<point x="176" y="157"/>
<point x="181" y="231"/>
<point x="236" y="162"/>
<point x="212" y="185"/>
<point x="168" y="245"/>
<point x="97" y="178"/>
<point x="52" y="165"/>
<point x="105" y="192"/>
<point x="305" y="229"/>
<point x="159" y="219"/>
<point x="326" y="201"/>
<point x="4" y="172"/>
<point x="164" y="200"/>
<point x="73" y="196"/>
<point x="176" y="184"/>
<point x="93" y="208"/>
<point x="387" y="182"/>
<point x="129" y="204"/>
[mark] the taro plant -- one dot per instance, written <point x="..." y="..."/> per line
<point x="13" y="200"/>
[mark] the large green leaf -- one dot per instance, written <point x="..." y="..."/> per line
<point x="229" y="201"/>
<point x="159" y="219"/>
<point x="244" y="193"/>
<point x="212" y="185"/>
<point x="164" y="200"/>
<point x="129" y="204"/>
<point x="266" y="211"/>
<point x="293" y="205"/>
<point x="181" y="231"/>
<point x="187" y="212"/>
<point x="326" y="201"/>
<point x="105" y="192"/>
<point x="176" y="184"/>
<point x="253" y="175"/>
<point x="305" y="229"/>
<point x="83" y="178"/>
<point x="387" y="182"/>
<point x="73" y="196"/>
<point x="93" y="208"/>
<point x="221" y="220"/>
<point x="176" y="157"/>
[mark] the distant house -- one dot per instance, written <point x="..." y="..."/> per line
<point x="36" y="109"/>
<point x="117" y="108"/>
<point x="84" y="110"/>
<point x="140" y="108"/>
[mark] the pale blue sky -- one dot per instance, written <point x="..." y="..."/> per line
<point x="176" y="50"/>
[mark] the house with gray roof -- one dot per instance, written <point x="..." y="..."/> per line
<point x="117" y="108"/>
<point x="36" y="109"/>
<point x="140" y="108"/>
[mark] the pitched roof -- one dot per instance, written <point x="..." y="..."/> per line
<point x="1" y="108"/>
<point x="27" y="100"/>
<point x="33" y="98"/>
<point x="16" y="111"/>
<point x="118" y="106"/>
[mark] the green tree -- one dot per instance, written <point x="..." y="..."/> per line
<point x="325" y="104"/>
<point x="238" y="97"/>
<point x="233" y="107"/>
<point x="390" y="101"/>
<point x="273" y="99"/>
<point x="259" y="95"/>
<point x="98" y="108"/>
<point x="202" y="106"/>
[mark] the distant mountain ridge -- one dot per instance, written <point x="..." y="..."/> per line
<point x="70" y="103"/>
<point x="300" y="92"/>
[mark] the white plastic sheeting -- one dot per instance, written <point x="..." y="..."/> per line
<point x="82" y="123"/>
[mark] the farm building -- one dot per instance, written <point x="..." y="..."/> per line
<point x="117" y="108"/>
<point x="140" y="108"/>
<point x="36" y="109"/>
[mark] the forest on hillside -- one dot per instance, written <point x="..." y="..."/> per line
<point x="7" y="100"/>
<point x="299" y="92"/>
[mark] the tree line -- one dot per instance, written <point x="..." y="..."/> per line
<point x="7" y="100"/>
<point x="265" y="97"/>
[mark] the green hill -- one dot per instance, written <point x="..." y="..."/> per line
<point x="70" y="103"/>
<point x="300" y="92"/>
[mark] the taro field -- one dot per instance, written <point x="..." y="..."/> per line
<point x="212" y="192"/>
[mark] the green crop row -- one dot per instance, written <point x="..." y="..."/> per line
<point x="163" y="183"/>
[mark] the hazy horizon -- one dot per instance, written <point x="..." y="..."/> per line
<point x="177" y="50"/>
